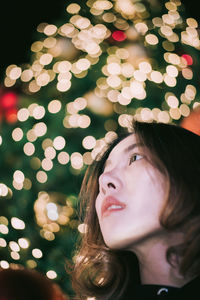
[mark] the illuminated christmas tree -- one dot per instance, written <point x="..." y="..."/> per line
<point x="104" y="64"/>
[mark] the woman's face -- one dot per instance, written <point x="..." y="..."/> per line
<point x="131" y="195"/>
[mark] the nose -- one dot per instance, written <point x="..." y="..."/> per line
<point x="109" y="182"/>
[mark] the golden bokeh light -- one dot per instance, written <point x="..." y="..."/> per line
<point x="82" y="228"/>
<point x="40" y="129"/>
<point x="3" y="190"/>
<point x="23" y="114"/>
<point x="50" y="29"/>
<point x="185" y="110"/>
<point x="31" y="263"/>
<point x="15" y="73"/>
<point x="47" y="164"/>
<point x="51" y="274"/>
<point x="175" y="113"/>
<point x="47" y="143"/>
<point x="114" y="68"/>
<point x="4" y="264"/>
<point x="124" y="98"/>
<point x="187" y="73"/>
<point x="126" y="8"/>
<point x="76" y="160"/>
<point x="54" y="106"/>
<point x="27" y="75"/>
<point x="59" y="142"/>
<point x="29" y="148"/>
<point x="172" y="71"/>
<point x="3" y="243"/>
<point x="49" y="42"/>
<point x="3" y="220"/>
<point x="4" y="229"/>
<point x="17" y="223"/>
<point x="151" y="39"/>
<point x="63" y="158"/>
<point x="191" y="22"/>
<point x="52" y="212"/>
<point x="80" y="103"/>
<point x="37" y="46"/>
<point x="17" y="134"/>
<point x="109" y="17"/>
<point x="35" y="163"/>
<point x="27" y="184"/>
<point x="38" y="112"/>
<point x="8" y="82"/>
<point x="163" y="116"/>
<point x="87" y="158"/>
<point x="37" y="253"/>
<point x="137" y="90"/>
<point x="83" y="121"/>
<point x="14" y="246"/>
<point x="50" y="152"/>
<point x="15" y="255"/>
<point x="41" y="176"/>
<point x="42" y="79"/>
<point x="33" y="86"/>
<point x="63" y="85"/>
<point x="46" y="59"/>
<point x="190" y="92"/>
<point x="18" y="176"/>
<point x="89" y="142"/>
<point x="169" y="80"/>
<point x="31" y="136"/>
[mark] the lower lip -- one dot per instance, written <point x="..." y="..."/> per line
<point x="107" y="212"/>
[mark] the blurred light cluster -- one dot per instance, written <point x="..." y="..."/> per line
<point x="53" y="210"/>
<point x="16" y="247"/>
<point x="128" y="67"/>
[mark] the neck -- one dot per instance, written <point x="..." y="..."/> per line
<point x="154" y="267"/>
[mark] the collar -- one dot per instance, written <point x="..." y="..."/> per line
<point x="158" y="292"/>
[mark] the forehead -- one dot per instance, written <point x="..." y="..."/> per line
<point x="124" y="146"/>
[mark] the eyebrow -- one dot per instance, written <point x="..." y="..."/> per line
<point x="126" y="150"/>
<point x="131" y="147"/>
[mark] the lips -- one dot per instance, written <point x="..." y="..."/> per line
<point x="111" y="204"/>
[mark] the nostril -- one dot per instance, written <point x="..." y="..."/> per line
<point x="111" y="185"/>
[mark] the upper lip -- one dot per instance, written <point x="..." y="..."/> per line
<point x="108" y="201"/>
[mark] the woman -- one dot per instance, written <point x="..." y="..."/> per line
<point x="142" y="212"/>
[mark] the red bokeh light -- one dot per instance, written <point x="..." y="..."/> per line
<point x="11" y="115"/>
<point x="188" y="59"/>
<point x="8" y="106"/>
<point x="8" y="100"/>
<point x="119" y="35"/>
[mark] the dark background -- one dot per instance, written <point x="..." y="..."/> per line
<point x="19" y="20"/>
<point x="18" y="25"/>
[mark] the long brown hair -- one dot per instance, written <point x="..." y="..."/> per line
<point x="175" y="151"/>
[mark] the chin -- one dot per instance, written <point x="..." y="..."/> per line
<point x="112" y="244"/>
<point x="117" y="244"/>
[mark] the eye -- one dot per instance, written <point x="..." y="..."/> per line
<point x="135" y="157"/>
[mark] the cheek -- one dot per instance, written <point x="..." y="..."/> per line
<point x="98" y="205"/>
<point x="146" y="187"/>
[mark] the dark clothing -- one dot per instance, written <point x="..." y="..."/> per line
<point x="190" y="291"/>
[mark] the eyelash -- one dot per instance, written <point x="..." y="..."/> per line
<point x="132" y="158"/>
